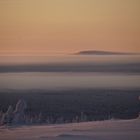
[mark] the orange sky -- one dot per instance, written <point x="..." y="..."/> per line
<point x="37" y="27"/>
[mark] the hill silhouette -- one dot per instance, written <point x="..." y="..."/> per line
<point x="98" y="52"/>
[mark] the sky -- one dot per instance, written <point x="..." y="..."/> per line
<point x="40" y="27"/>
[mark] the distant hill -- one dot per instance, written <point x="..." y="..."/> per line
<point x="97" y="52"/>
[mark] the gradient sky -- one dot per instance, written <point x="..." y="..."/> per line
<point x="35" y="27"/>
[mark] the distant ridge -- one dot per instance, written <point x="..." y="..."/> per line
<point x="97" y="52"/>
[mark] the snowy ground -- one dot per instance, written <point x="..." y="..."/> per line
<point x="103" y="130"/>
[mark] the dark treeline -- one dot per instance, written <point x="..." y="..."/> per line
<point x="74" y="105"/>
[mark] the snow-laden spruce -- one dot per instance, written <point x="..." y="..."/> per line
<point x="14" y="117"/>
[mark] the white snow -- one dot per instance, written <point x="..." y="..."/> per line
<point x="99" y="130"/>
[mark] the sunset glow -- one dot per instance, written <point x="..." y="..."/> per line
<point x="35" y="27"/>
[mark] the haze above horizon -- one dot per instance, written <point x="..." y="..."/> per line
<point x="38" y="27"/>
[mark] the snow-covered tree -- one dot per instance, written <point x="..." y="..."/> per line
<point x="83" y="117"/>
<point x="40" y="118"/>
<point x="19" y="116"/>
<point x="8" y="116"/>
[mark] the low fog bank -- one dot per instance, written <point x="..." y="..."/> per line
<point x="73" y="67"/>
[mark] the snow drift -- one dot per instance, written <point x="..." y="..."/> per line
<point x="98" y="130"/>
